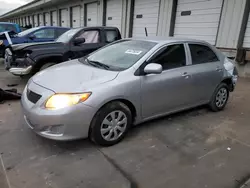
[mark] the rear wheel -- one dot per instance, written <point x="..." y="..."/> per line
<point x="220" y="98"/>
<point x="111" y="124"/>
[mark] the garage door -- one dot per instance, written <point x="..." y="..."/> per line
<point x="31" y="21"/>
<point x="36" y="20"/>
<point x="76" y="16"/>
<point x="54" y="18"/>
<point x="47" y="18"/>
<point x="41" y="21"/>
<point x="145" y="15"/>
<point x="198" y="19"/>
<point x="114" y="13"/>
<point x="246" y="42"/>
<point x="27" y="20"/>
<point x="64" y="17"/>
<point x="92" y="14"/>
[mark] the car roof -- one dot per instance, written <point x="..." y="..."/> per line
<point x="163" y="40"/>
<point x="52" y="27"/>
<point x="96" y="27"/>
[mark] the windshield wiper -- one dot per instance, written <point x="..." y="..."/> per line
<point x="96" y="63"/>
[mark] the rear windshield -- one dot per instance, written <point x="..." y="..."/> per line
<point x="8" y="27"/>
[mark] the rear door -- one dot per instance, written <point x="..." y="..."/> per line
<point x="93" y="41"/>
<point x="206" y="70"/>
<point x="111" y="35"/>
<point x="44" y="35"/>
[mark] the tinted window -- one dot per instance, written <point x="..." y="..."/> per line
<point x="45" y="34"/>
<point x="59" y="32"/>
<point x="7" y="27"/>
<point x="202" y="54"/>
<point x="91" y="36"/>
<point x="111" y="35"/>
<point x="172" y="57"/>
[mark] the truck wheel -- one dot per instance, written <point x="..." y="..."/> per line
<point x="47" y="65"/>
<point x="110" y="124"/>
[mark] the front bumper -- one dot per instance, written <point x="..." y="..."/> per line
<point x="65" y="124"/>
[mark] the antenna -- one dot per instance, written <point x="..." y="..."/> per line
<point x="146" y="31"/>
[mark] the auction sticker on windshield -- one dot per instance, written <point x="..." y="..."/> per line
<point x="134" y="52"/>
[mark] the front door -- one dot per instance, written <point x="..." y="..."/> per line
<point x="207" y="72"/>
<point x="170" y="90"/>
<point x="92" y="42"/>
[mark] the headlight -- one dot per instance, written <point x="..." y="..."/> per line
<point x="59" y="101"/>
<point x="1" y="42"/>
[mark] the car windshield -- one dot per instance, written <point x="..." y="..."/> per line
<point x="7" y="27"/>
<point x="64" y="38"/>
<point x="122" y="55"/>
<point x="26" y="32"/>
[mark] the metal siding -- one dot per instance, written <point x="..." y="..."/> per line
<point x="205" y="17"/>
<point x="230" y="24"/>
<point x="92" y="14"/>
<point x="41" y="21"/>
<point x="149" y="10"/>
<point x="47" y="18"/>
<point x="54" y="18"/>
<point x="36" y="20"/>
<point x="76" y="16"/>
<point x="64" y="17"/>
<point x="246" y="42"/>
<point x="114" y="13"/>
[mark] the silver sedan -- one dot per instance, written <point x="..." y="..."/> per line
<point x="102" y="95"/>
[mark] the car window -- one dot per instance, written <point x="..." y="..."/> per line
<point x="59" y="32"/>
<point x="172" y="57"/>
<point x="111" y="35"/>
<point x="202" y="54"/>
<point x="91" y="36"/>
<point x="7" y="27"/>
<point x="45" y="34"/>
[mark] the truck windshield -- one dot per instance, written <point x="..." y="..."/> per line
<point x="122" y="55"/>
<point x="8" y="27"/>
<point x="65" y="38"/>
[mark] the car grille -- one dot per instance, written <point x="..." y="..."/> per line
<point x="32" y="96"/>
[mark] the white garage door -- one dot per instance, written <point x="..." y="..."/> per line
<point x="76" y="16"/>
<point x="114" y="13"/>
<point x="64" y="17"/>
<point x="54" y="18"/>
<point x="31" y="21"/>
<point x="36" y="23"/>
<point x="27" y="20"/>
<point x="41" y="22"/>
<point x="246" y="42"/>
<point x="145" y="15"/>
<point x="198" y="19"/>
<point x="47" y="18"/>
<point x="92" y="14"/>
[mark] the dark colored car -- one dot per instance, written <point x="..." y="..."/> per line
<point x="24" y="59"/>
<point x="36" y="34"/>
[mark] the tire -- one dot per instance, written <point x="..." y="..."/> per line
<point x="219" y="98"/>
<point x="103" y="121"/>
<point x="47" y="65"/>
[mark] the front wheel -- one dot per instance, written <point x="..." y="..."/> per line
<point x="219" y="98"/>
<point x="110" y="124"/>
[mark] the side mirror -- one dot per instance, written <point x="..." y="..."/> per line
<point x="153" y="68"/>
<point x="32" y="37"/>
<point x="79" y="41"/>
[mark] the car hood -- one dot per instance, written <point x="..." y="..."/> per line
<point x="72" y="77"/>
<point x="34" y="46"/>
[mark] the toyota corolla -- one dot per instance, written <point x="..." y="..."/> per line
<point x="102" y="95"/>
